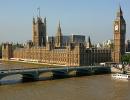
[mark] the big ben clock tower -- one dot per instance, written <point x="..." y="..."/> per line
<point x="119" y="36"/>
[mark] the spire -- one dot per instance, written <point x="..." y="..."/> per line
<point x="58" y="40"/>
<point x="59" y="33"/>
<point x="119" y="13"/>
<point x="45" y="23"/>
<point x="89" y="45"/>
<point x="59" y="28"/>
<point x="45" y="20"/>
<point x="89" y="41"/>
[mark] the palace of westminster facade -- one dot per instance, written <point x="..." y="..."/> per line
<point x="73" y="53"/>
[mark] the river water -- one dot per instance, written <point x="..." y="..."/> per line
<point x="96" y="87"/>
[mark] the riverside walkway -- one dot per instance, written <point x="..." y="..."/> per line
<point x="59" y="72"/>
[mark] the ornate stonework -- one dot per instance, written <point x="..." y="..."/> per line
<point x="119" y="36"/>
<point x="53" y="52"/>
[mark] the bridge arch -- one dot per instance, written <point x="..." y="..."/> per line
<point x="45" y="74"/>
<point x="29" y="76"/>
<point x="9" y="75"/>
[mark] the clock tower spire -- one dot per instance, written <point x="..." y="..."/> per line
<point x="119" y="36"/>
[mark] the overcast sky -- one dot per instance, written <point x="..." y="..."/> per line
<point x="85" y="17"/>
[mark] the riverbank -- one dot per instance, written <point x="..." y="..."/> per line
<point x="27" y="64"/>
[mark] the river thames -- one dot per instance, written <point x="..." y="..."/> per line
<point x="96" y="87"/>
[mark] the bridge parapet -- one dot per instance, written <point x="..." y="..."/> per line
<point x="34" y="73"/>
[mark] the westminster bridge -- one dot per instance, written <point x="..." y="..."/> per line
<point x="32" y="74"/>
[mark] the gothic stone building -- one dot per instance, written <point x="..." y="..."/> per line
<point x="54" y="52"/>
<point x="119" y="36"/>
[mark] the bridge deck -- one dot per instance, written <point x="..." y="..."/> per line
<point x="35" y="72"/>
<point x="20" y="70"/>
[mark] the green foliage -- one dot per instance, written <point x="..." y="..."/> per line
<point x="112" y="46"/>
<point x="126" y="58"/>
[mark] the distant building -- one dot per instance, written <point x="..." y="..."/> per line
<point x="60" y="50"/>
<point x="98" y="45"/>
<point x="67" y="39"/>
<point x="107" y="44"/>
<point x="7" y="51"/>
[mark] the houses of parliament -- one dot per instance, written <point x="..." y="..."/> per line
<point x="73" y="51"/>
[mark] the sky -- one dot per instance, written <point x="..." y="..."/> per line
<point x="92" y="18"/>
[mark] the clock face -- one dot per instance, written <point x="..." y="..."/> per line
<point x="116" y="27"/>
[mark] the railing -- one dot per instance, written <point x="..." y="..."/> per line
<point x="45" y="69"/>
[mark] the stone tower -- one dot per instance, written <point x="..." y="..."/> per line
<point x="119" y="36"/>
<point x="59" y="37"/>
<point x="39" y="32"/>
<point x="7" y="51"/>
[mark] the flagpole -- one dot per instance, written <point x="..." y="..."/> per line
<point x="38" y="9"/>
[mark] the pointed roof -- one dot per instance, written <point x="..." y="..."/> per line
<point x="59" y="28"/>
<point x="59" y="33"/>
<point x="119" y="12"/>
<point x="89" y="45"/>
<point x="89" y="41"/>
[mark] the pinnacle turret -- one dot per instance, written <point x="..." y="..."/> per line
<point x="89" y="45"/>
<point x="59" y="30"/>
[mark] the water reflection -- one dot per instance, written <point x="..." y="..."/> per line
<point x="96" y="87"/>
